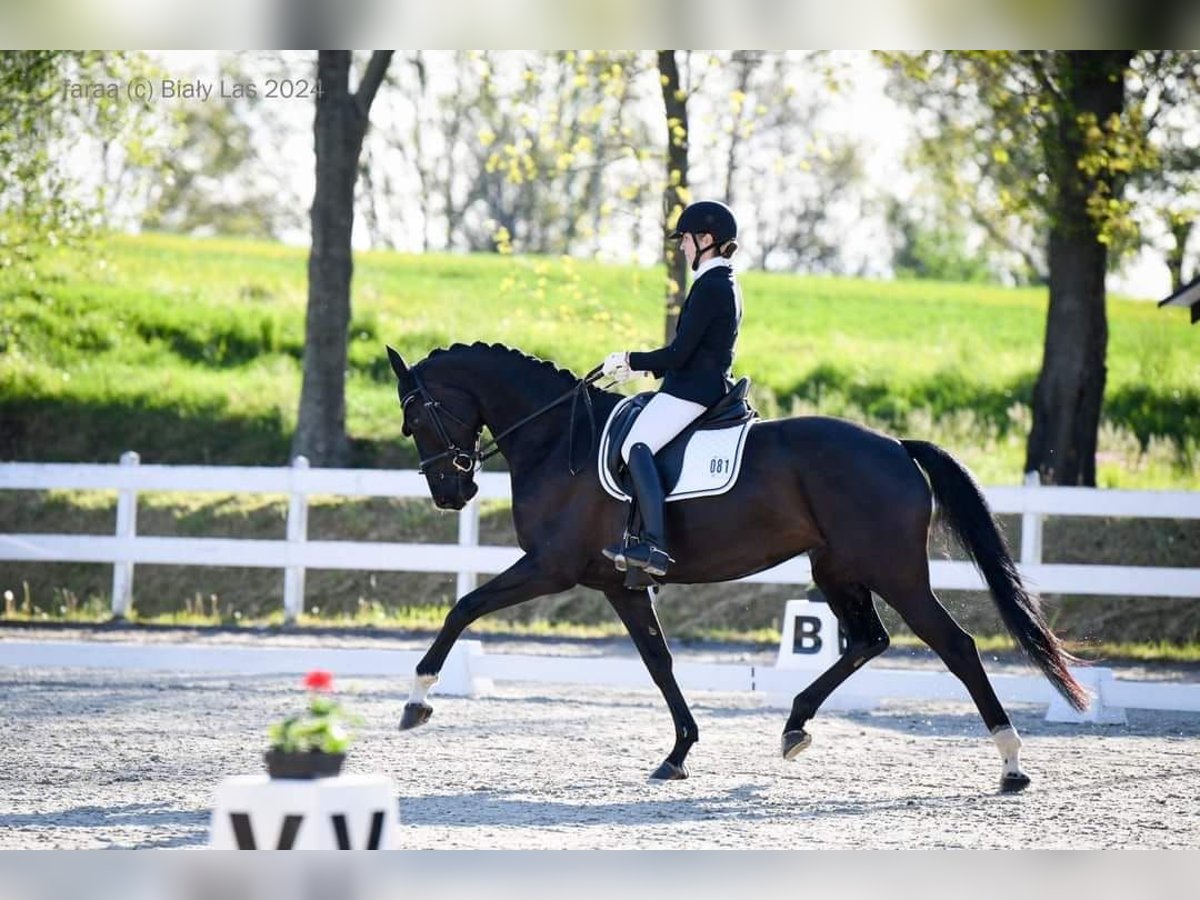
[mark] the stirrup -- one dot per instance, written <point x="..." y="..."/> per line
<point x="651" y="559"/>
<point x="616" y="552"/>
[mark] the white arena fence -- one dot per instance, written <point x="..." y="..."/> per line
<point x="294" y="554"/>
<point x="473" y="669"/>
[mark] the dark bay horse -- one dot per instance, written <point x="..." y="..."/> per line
<point x="857" y="501"/>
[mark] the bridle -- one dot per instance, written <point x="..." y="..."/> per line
<point x="468" y="461"/>
<point x="463" y="460"/>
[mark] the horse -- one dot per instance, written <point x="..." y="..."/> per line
<point x="857" y="501"/>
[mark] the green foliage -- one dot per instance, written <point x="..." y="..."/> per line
<point x="189" y="351"/>
<point x="938" y="252"/>
<point x="1001" y="132"/>
<point x="545" y="189"/>
<point x="323" y="726"/>
<point x="216" y="179"/>
<point x="53" y="102"/>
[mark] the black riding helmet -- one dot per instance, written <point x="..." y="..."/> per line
<point x="708" y="217"/>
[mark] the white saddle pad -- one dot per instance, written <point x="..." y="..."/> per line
<point x="711" y="462"/>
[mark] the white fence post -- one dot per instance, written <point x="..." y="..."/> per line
<point x="468" y="536"/>
<point x="1031" y="529"/>
<point x="297" y="534"/>
<point x="122" y="585"/>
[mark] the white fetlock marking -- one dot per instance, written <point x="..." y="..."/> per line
<point x="421" y="686"/>
<point x="1008" y="742"/>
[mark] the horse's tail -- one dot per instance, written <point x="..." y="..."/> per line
<point x="966" y="512"/>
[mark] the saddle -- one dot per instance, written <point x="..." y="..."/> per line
<point x="702" y="460"/>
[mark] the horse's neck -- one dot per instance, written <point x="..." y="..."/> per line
<point x="504" y="401"/>
<point x="507" y="402"/>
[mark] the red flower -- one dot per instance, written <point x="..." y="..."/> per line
<point x="319" y="680"/>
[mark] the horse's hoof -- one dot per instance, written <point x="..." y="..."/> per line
<point x="1013" y="784"/>
<point x="415" y="714"/>
<point x="795" y="742"/>
<point x="668" y="771"/>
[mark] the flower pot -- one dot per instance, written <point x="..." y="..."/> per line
<point x="303" y="764"/>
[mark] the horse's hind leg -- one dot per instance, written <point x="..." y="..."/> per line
<point x="930" y="621"/>
<point x="637" y="612"/>
<point x="866" y="638"/>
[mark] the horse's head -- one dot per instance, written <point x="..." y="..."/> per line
<point x="444" y="422"/>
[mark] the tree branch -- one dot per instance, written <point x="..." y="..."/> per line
<point x="1037" y="66"/>
<point x="371" y="80"/>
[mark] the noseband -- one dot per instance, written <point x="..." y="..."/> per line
<point x="467" y="461"/>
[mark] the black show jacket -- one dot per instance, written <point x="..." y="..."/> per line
<point x="696" y="365"/>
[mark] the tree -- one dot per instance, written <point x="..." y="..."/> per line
<point x="218" y="178"/>
<point x="789" y="178"/>
<point x="558" y="152"/>
<point x="1048" y="136"/>
<point x="937" y="249"/>
<point x="1168" y="192"/>
<point x="340" y="125"/>
<point x="525" y="151"/>
<point x="675" y="193"/>
<point x="740" y="128"/>
<point x="974" y="176"/>
<point x="54" y="100"/>
<point x="1088" y="97"/>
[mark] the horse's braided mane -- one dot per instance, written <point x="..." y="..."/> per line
<point x="501" y="349"/>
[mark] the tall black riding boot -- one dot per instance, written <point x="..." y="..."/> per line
<point x="650" y="553"/>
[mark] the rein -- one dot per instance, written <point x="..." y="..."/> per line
<point x="470" y="460"/>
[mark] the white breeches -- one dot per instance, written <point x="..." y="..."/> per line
<point x="663" y="418"/>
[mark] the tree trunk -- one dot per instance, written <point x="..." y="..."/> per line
<point x="338" y="131"/>
<point x="675" y="193"/>
<point x="1070" y="388"/>
<point x="746" y="62"/>
<point x="1181" y="231"/>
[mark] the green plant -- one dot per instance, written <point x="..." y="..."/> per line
<point x="322" y="727"/>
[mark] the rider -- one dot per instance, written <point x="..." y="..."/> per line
<point x="695" y="368"/>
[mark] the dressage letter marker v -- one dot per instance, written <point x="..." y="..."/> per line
<point x="244" y="832"/>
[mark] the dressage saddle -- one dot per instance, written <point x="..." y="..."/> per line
<point x="733" y="409"/>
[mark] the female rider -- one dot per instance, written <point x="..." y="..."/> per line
<point x="695" y="368"/>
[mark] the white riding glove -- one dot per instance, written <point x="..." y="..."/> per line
<point x="616" y="366"/>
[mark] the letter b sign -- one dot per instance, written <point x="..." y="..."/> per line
<point x="811" y="636"/>
<point x="807" y="635"/>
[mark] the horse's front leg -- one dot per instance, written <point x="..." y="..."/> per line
<point x="524" y="580"/>
<point x="637" y="612"/>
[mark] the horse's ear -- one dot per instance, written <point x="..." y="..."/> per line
<point x="397" y="362"/>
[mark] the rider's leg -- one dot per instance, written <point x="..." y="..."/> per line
<point x="662" y="419"/>
<point x="650" y="552"/>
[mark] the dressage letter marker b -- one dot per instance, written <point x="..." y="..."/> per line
<point x="807" y="638"/>
<point x="811" y="642"/>
<point x="811" y="637"/>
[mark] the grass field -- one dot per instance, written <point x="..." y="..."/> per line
<point x="189" y="351"/>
